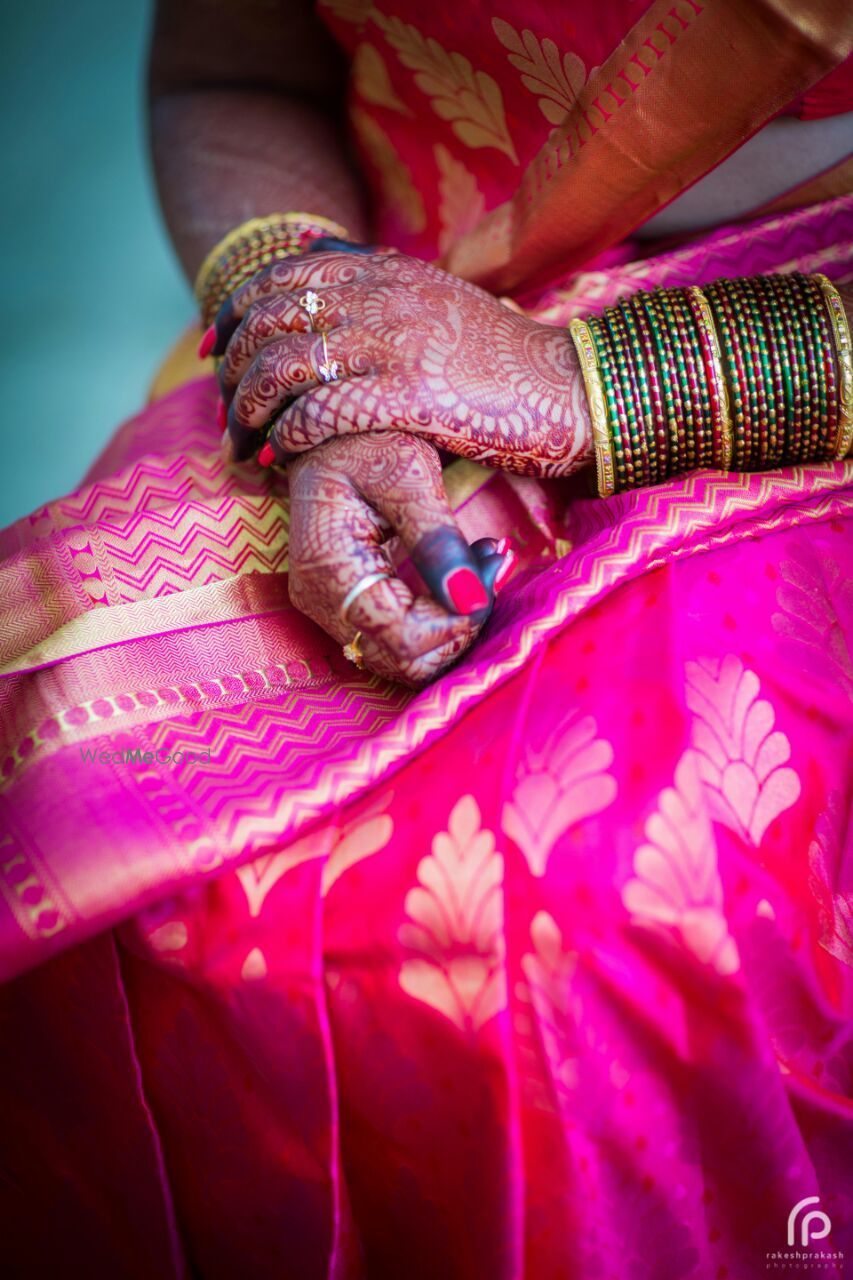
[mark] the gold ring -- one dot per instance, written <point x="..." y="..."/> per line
<point x="352" y="651"/>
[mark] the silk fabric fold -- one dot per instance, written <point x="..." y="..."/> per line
<point x="542" y="971"/>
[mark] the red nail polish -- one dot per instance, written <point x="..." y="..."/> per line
<point x="266" y="455"/>
<point x="506" y="570"/>
<point x="206" y="345"/>
<point x="221" y="413"/>
<point x="503" y="546"/>
<point x="466" y="591"/>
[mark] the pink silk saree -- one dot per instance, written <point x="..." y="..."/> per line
<point x="543" y="971"/>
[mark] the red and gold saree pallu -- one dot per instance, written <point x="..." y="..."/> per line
<point x="542" y="971"/>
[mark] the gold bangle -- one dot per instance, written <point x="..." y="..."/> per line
<point x="726" y="428"/>
<point x="844" y="352"/>
<point x="591" y="374"/>
<point x="254" y="244"/>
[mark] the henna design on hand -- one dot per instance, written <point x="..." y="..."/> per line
<point x="425" y="353"/>
<point x="347" y="498"/>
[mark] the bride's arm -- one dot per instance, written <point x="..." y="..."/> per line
<point x="246" y="118"/>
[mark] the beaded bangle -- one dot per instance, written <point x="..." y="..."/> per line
<point x="623" y="458"/>
<point x="821" y="317"/>
<point x="251" y="246"/>
<point x="675" y="421"/>
<point x="752" y="376"/>
<point x="844" y="354"/>
<point x="816" y="422"/>
<point x="790" y="298"/>
<point x="721" y="413"/>
<point x="793" y="376"/>
<point x="768" y="421"/>
<point x="725" y="321"/>
<point x="774" y="339"/>
<point x="623" y="413"/>
<point x="632" y="399"/>
<point x="636" y="316"/>
<point x="654" y="439"/>
<point x="699" y="394"/>
<point x="688" y="379"/>
<point x="749" y="374"/>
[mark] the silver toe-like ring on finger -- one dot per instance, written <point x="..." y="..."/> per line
<point x="313" y="304"/>
<point x="328" y="370"/>
<point x="369" y="580"/>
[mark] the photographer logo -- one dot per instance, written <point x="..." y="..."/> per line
<point x="814" y="1225"/>
<point x="806" y="1225"/>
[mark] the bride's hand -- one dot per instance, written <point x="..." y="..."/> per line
<point x="346" y="499"/>
<point x="416" y="349"/>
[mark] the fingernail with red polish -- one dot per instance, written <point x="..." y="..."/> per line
<point x="506" y="570"/>
<point x="221" y="413"/>
<point x="503" y="546"/>
<point x="266" y="455"/>
<point x="206" y="345"/>
<point x="466" y="591"/>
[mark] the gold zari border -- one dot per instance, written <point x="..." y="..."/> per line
<point x="585" y="348"/>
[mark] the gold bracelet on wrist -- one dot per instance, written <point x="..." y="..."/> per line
<point x="844" y="354"/>
<point x="254" y="244"/>
<point x="597" y="409"/>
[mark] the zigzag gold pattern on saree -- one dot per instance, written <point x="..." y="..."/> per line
<point x="705" y="500"/>
<point x="145" y="487"/>
<point x="88" y="720"/>
<point x="107" y="567"/>
<point x="595" y="571"/>
<point x="241" y="791"/>
<point x="245" y="739"/>
<point x="197" y="548"/>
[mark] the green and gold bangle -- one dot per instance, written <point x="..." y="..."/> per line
<point x="645" y="304"/>
<point x="629" y="385"/>
<point x="844" y="355"/>
<point x="749" y="373"/>
<point x="623" y="464"/>
<point x="592" y="381"/>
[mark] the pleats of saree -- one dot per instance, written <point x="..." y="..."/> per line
<point x="543" y="972"/>
<point x="569" y="994"/>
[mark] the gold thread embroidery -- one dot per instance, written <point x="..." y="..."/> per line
<point x="372" y="82"/>
<point x="398" y="189"/>
<point x="470" y="101"/>
<point x="555" y="80"/>
<point x="461" y="203"/>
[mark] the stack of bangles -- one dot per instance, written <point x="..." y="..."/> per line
<point x="251" y="246"/>
<point x="742" y="375"/>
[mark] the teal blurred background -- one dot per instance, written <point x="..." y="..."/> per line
<point x="93" y="294"/>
